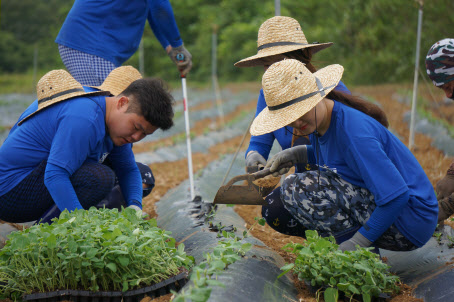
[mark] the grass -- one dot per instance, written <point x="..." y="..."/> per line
<point x="18" y="83"/>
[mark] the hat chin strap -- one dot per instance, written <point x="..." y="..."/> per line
<point x="321" y="90"/>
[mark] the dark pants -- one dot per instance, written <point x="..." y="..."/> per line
<point x="30" y="199"/>
<point x="328" y="204"/>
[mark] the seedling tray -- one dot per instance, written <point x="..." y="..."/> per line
<point x="156" y="290"/>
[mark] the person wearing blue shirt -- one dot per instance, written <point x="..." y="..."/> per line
<point x="55" y="153"/>
<point x="279" y="38"/>
<point x="368" y="189"/>
<point x="98" y="36"/>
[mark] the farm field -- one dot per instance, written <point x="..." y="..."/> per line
<point x="170" y="174"/>
<point x="212" y="141"/>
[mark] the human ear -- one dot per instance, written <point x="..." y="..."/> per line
<point x="122" y="101"/>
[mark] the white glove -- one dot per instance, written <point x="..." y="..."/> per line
<point x="295" y="155"/>
<point x="357" y="239"/>
<point x="139" y="212"/>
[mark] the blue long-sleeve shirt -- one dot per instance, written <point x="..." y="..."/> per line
<point x="263" y="143"/>
<point x="66" y="135"/>
<point x="113" y="29"/>
<point x="366" y="154"/>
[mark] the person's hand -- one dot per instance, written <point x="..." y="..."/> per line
<point x="139" y="212"/>
<point x="357" y="239"/>
<point x="255" y="159"/>
<point x="295" y="155"/>
<point x="445" y="208"/>
<point x="182" y="58"/>
<point x="445" y="187"/>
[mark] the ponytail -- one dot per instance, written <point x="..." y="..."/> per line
<point x="359" y="104"/>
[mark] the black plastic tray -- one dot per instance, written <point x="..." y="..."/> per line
<point x="156" y="290"/>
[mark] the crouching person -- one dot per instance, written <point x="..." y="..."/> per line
<point x="55" y="153"/>
<point x="368" y="189"/>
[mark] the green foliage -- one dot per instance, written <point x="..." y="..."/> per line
<point x="90" y="250"/>
<point x="374" y="40"/>
<point x="204" y="275"/>
<point x="359" y="272"/>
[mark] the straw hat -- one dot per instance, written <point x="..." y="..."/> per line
<point x="56" y="86"/>
<point x="279" y="35"/>
<point x="291" y="91"/>
<point x="119" y="79"/>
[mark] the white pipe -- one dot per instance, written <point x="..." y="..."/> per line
<point x="188" y="137"/>
<point x="415" y="82"/>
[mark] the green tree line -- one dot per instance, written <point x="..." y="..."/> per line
<point x="374" y="40"/>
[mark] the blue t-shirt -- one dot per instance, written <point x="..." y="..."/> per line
<point x="113" y="29"/>
<point x="264" y="143"/>
<point x="366" y="154"/>
<point x="66" y="134"/>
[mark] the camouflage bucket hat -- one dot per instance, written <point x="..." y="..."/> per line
<point x="440" y="62"/>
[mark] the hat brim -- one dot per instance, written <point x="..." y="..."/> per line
<point x="64" y="98"/>
<point x="268" y="121"/>
<point x="279" y="50"/>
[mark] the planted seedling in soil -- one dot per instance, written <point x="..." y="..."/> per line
<point x="91" y="250"/>
<point x="359" y="272"/>
<point x="204" y="275"/>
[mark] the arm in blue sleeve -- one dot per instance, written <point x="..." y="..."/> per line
<point x="383" y="217"/>
<point x="263" y="149"/>
<point x="342" y="88"/>
<point x="161" y="15"/>
<point x="128" y="174"/>
<point x="60" y="188"/>
<point x="157" y="31"/>
<point x="262" y="143"/>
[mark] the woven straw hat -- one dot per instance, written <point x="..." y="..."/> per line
<point x="56" y="86"/>
<point x="119" y="79"/>
<point x="291" y="91"/>
<point x="279" y="35"/>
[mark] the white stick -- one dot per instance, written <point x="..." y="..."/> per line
<point x="411" y="140"/>
<point x="188" y="136"/>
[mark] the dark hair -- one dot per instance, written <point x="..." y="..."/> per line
<point x="305" y="56"/>
<point x="359" y="104"/>
<point x="151" y="98"/>
<point x="302" y="55"/>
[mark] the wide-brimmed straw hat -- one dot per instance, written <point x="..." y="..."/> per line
<point x="279" y="35"/>
<point x="119" y="79"/>
<point x="291" y="91"/>
<point x="56" y="86"/>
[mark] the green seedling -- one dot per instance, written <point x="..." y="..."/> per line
<point x="320" y="262"/>
<point x="450" y="241"/>
<point x="437" y="236"/>
<point x="91" y="250"/>
<point x="204" y="276"/>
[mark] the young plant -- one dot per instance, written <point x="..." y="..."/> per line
<point x="359" y="272"/>
<point x="228" y="251"/>
<point x="89" y="250"/>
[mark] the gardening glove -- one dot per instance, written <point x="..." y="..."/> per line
<point x="182" y="58"/>
<point x="357" y="239"/>
<point x="295" y="155"/>
<point x="139" y="211"/>
<point x="255" y="159"/>
<point x="445" y="186"/>
<point x="445" y="208"/>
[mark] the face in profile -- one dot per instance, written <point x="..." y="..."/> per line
<point x="448" y="88"/>
<point x="127" y="127"/>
